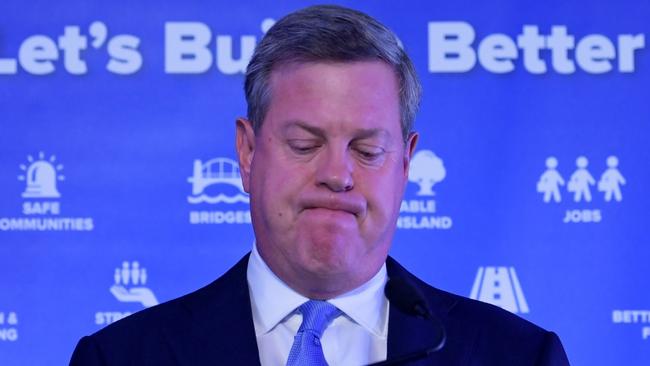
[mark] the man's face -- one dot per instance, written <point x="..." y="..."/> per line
<point x="326" y="173"/>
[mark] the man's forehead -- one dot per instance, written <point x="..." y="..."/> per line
<point x="361" y="82"/>
<point x="284" y="68"/>
<point x="357" y="98"/>
<point x="319" y="130"/>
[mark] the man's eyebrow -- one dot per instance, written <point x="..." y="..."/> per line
<point x="360" y="133"/>
<point x="364" y="133"/>
<point x="314" y="130"/>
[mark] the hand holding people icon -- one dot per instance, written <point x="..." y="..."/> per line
<point x="131" y="273"/>
<point x="142" y="295"/>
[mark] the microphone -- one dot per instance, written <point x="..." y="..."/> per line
<point x="407" y="298"/>
<point x="403" y="295"/>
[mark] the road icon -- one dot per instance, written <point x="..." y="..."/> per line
<point x="499" y="286"/>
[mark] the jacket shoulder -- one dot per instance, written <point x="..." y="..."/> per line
<point x="210" y="318"/>
<point x="484" y="332"/>
<point x="194" y="306"/>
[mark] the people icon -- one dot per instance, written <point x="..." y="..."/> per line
<point x="135" y="273"/>
<point x="580" y="181"/>
<point x="125" y="273"/>
<point x="550" y="181"/>
<point x="611" y="180"/>
<point x="130" y="273"/>
<point x="117" y="276"/>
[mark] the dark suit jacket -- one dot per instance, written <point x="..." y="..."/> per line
<point x="214" y="326"/>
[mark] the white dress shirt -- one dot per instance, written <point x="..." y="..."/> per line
<point x="358" y="337"/>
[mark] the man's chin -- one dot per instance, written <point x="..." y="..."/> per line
<point x="327" y="264"/>
<point x="328" y="239"/>
<point x="327" y="280"/>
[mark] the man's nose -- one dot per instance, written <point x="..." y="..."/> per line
<point x="334" y="170"/>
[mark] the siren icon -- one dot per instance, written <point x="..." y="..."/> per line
<point x="499" y="286"/>
<point x="41" y="176"/>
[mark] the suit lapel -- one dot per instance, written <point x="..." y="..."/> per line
<point x="222" y="330"/>
<point x="407" y="334"/>
<point x="241" y="343"/>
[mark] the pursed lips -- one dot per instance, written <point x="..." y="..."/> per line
<point x="350" y="205"/>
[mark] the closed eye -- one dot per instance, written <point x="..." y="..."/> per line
<point x="303" y="147"/>
<point x="370" y="154"/>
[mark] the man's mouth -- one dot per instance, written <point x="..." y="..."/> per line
<point x="348" y="205"/>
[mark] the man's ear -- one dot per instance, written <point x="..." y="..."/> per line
<point x="245" y="144"/>
<point x="409" y="147"/>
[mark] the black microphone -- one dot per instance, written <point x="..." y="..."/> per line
<point x="403" y="295"/>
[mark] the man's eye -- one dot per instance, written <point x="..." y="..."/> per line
<point x="303" y="148"/>
<point x="370" y="155"/>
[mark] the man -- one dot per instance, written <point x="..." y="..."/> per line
<point x="324" y="154"/>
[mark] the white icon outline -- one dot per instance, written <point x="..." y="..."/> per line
<point x="500" y="286"/>
<point x="204" y="175"/>
<point x="426" y="170"/>
<point x="41" y="176"/>
<point x="581" y="181"/>
<point x="550" y="181"/>
<point x="611" y="180"/>
<point x="129" y="286"/>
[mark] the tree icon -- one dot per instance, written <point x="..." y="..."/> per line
<point x="426" y="170"/>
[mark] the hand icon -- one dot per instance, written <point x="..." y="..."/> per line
<point x="135" y="294"/>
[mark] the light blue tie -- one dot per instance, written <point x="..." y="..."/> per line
<point x="306" y="349"/>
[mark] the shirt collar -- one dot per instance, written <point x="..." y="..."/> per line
<point x="270" y="293"/>
<point x="365" y="305"/>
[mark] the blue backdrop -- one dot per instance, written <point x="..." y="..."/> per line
<point x="118" y="184"/>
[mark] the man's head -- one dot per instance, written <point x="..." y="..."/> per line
<point x="325" y="151"/>
<point x="335" y="34"/>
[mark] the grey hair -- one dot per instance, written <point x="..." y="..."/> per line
<point x="329" y="33"/>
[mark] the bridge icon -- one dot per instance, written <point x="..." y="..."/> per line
<point x="216" y="171"/>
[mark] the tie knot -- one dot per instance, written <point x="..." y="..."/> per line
<point x="316" y="315"/>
